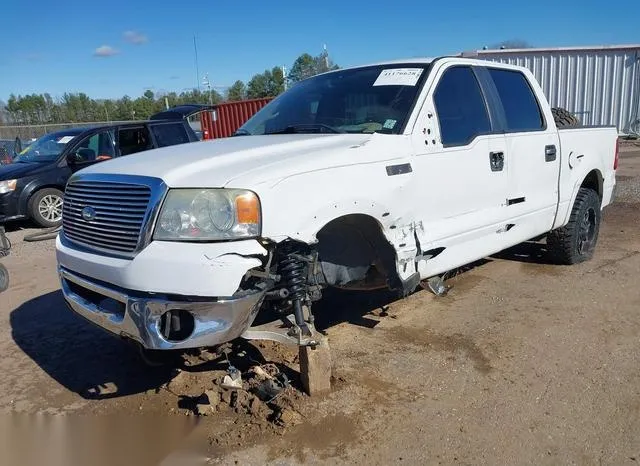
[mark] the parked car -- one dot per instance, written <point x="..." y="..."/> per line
<point x="5" y="156"/>
<point x="32" y="186"/>
<point x="9" y="149"/>
<point x="364" y="178"/>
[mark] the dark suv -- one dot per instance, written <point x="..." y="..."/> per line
<point x="32" y="186"/>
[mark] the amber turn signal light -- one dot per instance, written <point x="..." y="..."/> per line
<point x="248" y="208"/>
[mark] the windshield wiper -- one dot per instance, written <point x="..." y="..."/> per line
<point x="307" y="128"/>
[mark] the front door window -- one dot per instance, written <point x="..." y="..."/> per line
<point x="98" y="147"/>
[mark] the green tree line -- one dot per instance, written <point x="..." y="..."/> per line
<point x="78" y="107"/>
<point x="42" y="109"/>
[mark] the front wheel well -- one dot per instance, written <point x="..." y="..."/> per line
<point x="352" y="249"/>
<point x="29" y="191"/>
<point x="33" y="191"/>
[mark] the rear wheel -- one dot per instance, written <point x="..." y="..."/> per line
<point x="576" y="241"/>
<point x="564" y="118"/>
<point x="45" y="207"/>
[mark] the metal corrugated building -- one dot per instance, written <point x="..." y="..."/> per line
<point x="601" y="85"/>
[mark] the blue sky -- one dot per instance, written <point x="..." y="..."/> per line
<point x="51" y="47"/>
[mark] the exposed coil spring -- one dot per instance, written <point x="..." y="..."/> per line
<point x="293" y="271"/>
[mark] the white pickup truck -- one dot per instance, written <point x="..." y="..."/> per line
<point x="376" y="176"/>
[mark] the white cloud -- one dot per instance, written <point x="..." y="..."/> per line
<point x="134" y="37"/>
<point x="105" y="51"/>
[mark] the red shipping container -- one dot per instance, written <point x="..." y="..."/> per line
<point x="229" y="116"/>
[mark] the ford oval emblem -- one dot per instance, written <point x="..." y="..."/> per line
<point x="89" y="213"/>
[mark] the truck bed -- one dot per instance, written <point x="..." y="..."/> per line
<point x="582" y="148"/>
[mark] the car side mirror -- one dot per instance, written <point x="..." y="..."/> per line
<point x="17" y="146"/>
<point x="82" y="155"/>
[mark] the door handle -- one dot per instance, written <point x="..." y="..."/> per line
<point x="550" y="153"/>
<point x="496" y="161"/>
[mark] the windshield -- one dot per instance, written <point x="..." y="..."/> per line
<point x="46" y="149"/>
<point x="362" y="100"/>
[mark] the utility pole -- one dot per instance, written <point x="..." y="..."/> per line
<point x="195" y="47"/>
<point x="207" y="84"/>
<point x="284" y="76"/>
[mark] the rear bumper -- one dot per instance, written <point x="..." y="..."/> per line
<point x="138" y="316"/>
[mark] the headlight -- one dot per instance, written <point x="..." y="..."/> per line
<point x="7" y="186"/>
<point x="208" y="214"/>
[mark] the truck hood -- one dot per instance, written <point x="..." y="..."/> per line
<point x="248" y="160"/>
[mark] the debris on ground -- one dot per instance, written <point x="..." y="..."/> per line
<point x="207" y="403"/>
<point x="271" y="387"/>
<point x="289" y="417"/>
<point x="241" y="388"/>
<point x="436" y="285"/>
<point x="233" y="379"/>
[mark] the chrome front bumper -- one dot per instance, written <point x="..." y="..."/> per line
<point x="129" y="315"/>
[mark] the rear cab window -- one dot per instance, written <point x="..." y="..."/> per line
<point x="460" y="106"/>
<point x="170" y="134"/>
<point x="521" y="108"/>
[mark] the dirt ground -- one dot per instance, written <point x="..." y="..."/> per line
<point x="523" y="362"/>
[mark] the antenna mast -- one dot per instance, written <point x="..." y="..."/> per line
<point x="195" y="47"/>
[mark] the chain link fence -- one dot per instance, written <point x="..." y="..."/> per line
<point x="26" y="132"/>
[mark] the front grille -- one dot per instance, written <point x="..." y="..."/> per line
<point x="118" y="211"/>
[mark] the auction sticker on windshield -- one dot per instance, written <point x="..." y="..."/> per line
<point x="64" y="139"/>
<point x="399" y="77"/>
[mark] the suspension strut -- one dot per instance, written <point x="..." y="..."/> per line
<point x="293" y="271"/>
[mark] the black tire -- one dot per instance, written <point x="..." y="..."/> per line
<point x="576" y="241"/>
<point x="564" y="118"/>
<point x="4" y="278"/>
<point x="45" y="207"/>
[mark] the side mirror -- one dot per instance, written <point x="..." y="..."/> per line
<point x="82" y="155"/>
<point x="17" y="146"/>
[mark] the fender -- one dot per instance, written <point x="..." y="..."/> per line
<point x="323" y="196"/>
<point x="562" y="220"/>
<point x="380" y="197"/>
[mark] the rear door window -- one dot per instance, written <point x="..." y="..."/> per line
<point x="132" y="140"/>
<point x="170" y="134"/>
<point x="521" y="107"/>
<point x="462" y="112"/>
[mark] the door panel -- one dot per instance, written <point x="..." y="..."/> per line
<point x="534" y="176"/>
<point x="532" y="150"/>
<point x="463" y="196"/>
<point x="463" y="174"/>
